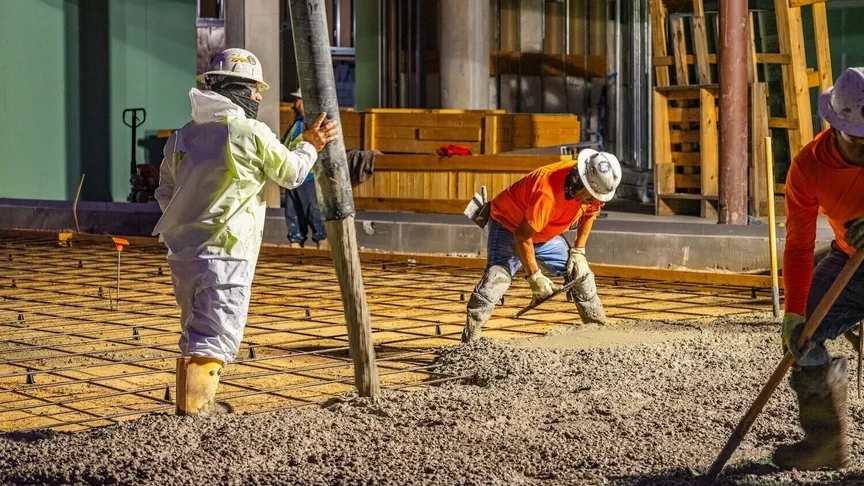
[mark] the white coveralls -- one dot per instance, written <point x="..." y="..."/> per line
<point x="211" y="195"/>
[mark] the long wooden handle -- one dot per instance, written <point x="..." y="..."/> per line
<point x="772" y="227"/>
<point x="809" y="328"/>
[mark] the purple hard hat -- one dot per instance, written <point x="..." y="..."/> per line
<point x="842" y="106"/>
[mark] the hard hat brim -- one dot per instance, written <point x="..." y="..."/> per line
<point x="856" y="129"/>
<point x="262" y="86"/>
<point x="581" y="160"/>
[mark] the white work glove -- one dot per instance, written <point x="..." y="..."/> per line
<point x="541" y="286"/>
<point x="577" y="264"/>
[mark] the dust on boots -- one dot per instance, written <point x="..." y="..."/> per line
<point x="822" y="409"/>
<point x="197" y="382"/>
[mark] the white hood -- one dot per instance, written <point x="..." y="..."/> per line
<point x="209" y="106"/>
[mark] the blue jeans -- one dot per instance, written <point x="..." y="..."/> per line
<point x="846" y="312"/>
<point x="551" y="255"/>
<point x="302" y="213"/>
<point x="502" y="264"/>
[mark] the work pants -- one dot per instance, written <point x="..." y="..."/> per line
<point x="213" y="295"/>
<point x="302" y="214"/>
<point x="846" y="312"/>
<point x="502" y="264"/>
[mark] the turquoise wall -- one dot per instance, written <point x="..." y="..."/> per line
<point x="153" y="64"/>
<point x="79" y="63"/>
<point x="366" y="55"/>
<point x="36" y="99"/>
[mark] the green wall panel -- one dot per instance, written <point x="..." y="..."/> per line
<point x="153" y="62"/>
<point x="35" y="99"/>
<point x="79" y="64"/>
<point x="366" y="55"/>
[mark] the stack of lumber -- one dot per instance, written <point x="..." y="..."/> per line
<point x="421" y="131"/>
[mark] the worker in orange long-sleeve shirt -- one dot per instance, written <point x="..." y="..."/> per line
<point x="827" y="175"/>
<point x="525" y="230"/>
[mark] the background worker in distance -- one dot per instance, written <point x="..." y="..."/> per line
<point x="301" y="204"/>
<point x="827" y="175"/>
<point x="211" y="195"/>
<point x="526" y="225"/>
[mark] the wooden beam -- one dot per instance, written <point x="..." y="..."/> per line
<point x="761" y="58"/>
<point x="784" y="123"/>
<point x="801" y="3"/>
<point x="434" y="111"/>
<point x="664" y="170"/>
<point x="658" y="40"/>
<point x="682" y="276"/>
<point x="709" y="144"/>
<point x="700" y="43"/>
<point x="790" y="32"/>
<point x="679" y="50"/>
<point x="437" y="206"/>
<point x="489" y="134"/>
<point x="772" y="58"/>
<point x="752" y="67"/>
<point x="823" y="49"/>
<point x="369" y="131"/>
<point x="813" y="78"/>
<point x="758" y="131"/>
<point x="468" y="163"/>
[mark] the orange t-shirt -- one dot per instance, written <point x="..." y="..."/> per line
<point x="818" y="179"/>
<point x="539" y="197"/>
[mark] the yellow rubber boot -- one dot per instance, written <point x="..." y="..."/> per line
<point x="197" y="381"/>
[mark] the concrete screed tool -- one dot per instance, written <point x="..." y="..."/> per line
<point x="536" y="303"/>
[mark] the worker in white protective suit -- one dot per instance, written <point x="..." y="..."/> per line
<point x="211" y="195"/>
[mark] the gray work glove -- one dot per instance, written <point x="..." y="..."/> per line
<point x="855" y="232"/>
<point x="577" y="264"/>
<point x="541" y="286"/>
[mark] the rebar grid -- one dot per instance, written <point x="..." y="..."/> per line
<point x="74" y="355"/>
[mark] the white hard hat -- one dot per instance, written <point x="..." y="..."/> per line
<point x="297" y="94"/>
<point x="238" y="63"/>
<point x="600" y="173"/>
<point x="843" y="105"/>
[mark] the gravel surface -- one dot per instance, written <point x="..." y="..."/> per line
<point x="545" y="410"/>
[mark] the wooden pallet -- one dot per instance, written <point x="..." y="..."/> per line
<point x="686" y="149"/>
<point x="420" y="131"/>
<point x="686" y="153"/>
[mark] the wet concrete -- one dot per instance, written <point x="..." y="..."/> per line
<point x="552" y="410"/>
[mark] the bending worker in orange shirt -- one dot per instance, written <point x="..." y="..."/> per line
<point x="828" y="174"/>
<point x="525" y="230"/>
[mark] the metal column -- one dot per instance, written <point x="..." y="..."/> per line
<point x="733" y="112"/>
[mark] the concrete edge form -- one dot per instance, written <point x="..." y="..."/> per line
<point x="619" y="239"/>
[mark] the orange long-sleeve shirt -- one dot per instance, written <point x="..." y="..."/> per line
<point x="819" y="179"/>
